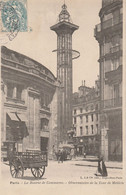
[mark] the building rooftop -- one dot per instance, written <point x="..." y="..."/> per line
<point x="15" y="60"/>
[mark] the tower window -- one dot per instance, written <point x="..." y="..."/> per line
<point x="63" y="41"/>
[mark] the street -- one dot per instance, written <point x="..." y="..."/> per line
<point x="71" y="171"/>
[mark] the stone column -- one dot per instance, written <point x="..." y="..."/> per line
<point x="33" y="113"/>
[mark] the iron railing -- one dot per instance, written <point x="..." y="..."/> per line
<point x="107" y="24"/>
<point x="108" y="2"/>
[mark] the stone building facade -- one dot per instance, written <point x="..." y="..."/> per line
<point x="109" y="36"/>
<point x="86" y="104"/>
<point x="27" y="90"/>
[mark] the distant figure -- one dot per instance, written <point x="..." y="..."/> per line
<point x="71" y="153"/>
<point x="59" y="156"/>
<point x="84" y="154"/>
<point x="62" y="156"/>
<point x="104" y="169"/>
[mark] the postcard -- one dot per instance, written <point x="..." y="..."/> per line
<point x="62" y="96"/>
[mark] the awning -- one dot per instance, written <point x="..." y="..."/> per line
<point x="18" y="126"/>
<point x="12" y="116"/>
<point x="21" y="117"/>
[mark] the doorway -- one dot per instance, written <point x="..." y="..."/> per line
<point x="44" y="143"/>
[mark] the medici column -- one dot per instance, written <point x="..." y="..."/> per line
<point x="64" y="30"/>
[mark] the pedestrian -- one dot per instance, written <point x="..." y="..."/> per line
<point x="71" y="153"/>
<point x="59" y="156"/>
<point x="104" y="169"/>
<point x="84" y="153"/>
<point x="62" y="156"/>
<point x="99" y="170"/>
<point x="99" y="167"/>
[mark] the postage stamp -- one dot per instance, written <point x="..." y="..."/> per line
<point x="13" y="17"/>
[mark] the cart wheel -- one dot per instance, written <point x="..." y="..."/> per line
<point x="16" y="168"/>
<point x="38" y="172"/>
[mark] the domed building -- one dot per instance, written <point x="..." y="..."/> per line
<point x="27" y="89"/>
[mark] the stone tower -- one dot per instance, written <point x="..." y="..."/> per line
<point x="64" y="30"/>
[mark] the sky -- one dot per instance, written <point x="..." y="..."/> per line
<point x="41" y="41"/>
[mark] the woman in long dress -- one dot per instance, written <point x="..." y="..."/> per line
<point x="104" y="169"/>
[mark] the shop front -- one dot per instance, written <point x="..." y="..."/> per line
<point x="16" y="130"/>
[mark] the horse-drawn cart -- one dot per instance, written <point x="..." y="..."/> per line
<point x="31" y="159"/>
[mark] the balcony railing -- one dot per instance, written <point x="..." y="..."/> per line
<point x="45" y="107"/>
<point x="15" y="100"/>
<point x="111" y="103"/>
<point x="108" y="2"/>
<point x="115" y="49"/>
<point x="107" y="24"/>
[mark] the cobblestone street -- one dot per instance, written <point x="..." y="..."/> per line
<point x="68" y="171"/>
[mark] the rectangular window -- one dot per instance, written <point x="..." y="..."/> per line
<point x="19" y="92"/>
<point x="14" y="91"/>
<point x="96" y="128"/>
<point x="107" y="65"/>
<point x="81" y="119"/>
<point x="74" y="111"/>
<point x="75" y="120"/>
<point x="86" y="118"/>
<point x="46" y="100"/>
<point x="44" y="124"/>
<point x="91" y="117"/>
<point x="96" y="116"/>
<point x="75" y="131"/>
<point x="116" y="91"/>
<point x="42" y="99"/>
<point x="81" y="131"/>
<point x="81" y="110"/>
<point x="10" y="89"/>
<point x="87" y="130"/>
<point x="92" y="129"/>
<point x="107" y="47"/>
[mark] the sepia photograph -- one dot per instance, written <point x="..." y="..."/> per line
<point x="62" y="89"/>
